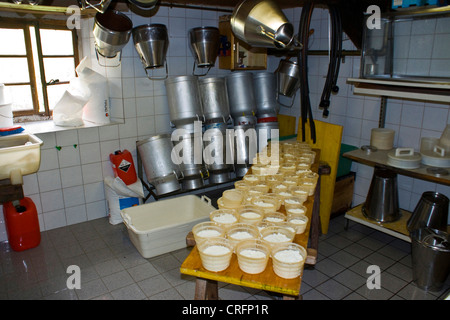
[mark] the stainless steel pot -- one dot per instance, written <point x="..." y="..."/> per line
<point x="431" y="211"/>
<point x="214" y="97"/>
<point x="205" y="44"/>
<point x="261" y="23"/>
<point x="382" y="199"/>
<point x="184" y="100"/>
<point x="240" y="94"/>
<point x="151" y="42"/>
<point x="161" y="171"/>
<point x="267" y="130"/>
<point x="265" y="86"/>
<point x="288" y="78"/>
<point x="112" y="31"/>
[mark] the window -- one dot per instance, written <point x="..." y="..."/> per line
<point x="37" y="61"/>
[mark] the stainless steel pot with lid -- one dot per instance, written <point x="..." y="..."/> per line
<point x="265" y="86"/>
<point x="214" y="97"/>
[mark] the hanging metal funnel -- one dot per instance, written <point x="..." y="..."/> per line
<point x="261" y="23"/>
<point x="151" y="42"/>
<point x="205" y="44"/>
<point x="112" y="31"/>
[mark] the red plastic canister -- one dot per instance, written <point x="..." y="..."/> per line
<point x="123" y="166"/>
<point x="22" y="224"/>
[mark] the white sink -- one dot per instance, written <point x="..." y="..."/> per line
<point x="20" y="154"/>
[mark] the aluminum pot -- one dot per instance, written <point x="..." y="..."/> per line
<point x="151" y="42"/>
<point x="214" y="97"/>
<point x="267" y="129"/>
<point x="189" y="148"/>
<point x="382" y="199"/>
<point x="205" y="44"/>
<point x="112" y="31"/>
<point x="161" y="171"/>
<point x="431" y="211"/>
<point x="245" y="148"/>
<point x="240" y="94"/>
<point x="184" y="99"/>
<point x="265" y="86"/>
<point x="215" y="154"/>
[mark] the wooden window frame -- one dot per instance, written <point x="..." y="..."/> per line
<point x="38" y="25"/>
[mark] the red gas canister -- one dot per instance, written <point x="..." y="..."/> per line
<point x="123" y="166"/>
<point x="22" y="224"/>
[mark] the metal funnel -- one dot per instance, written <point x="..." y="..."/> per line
<point x="205" y="44"/>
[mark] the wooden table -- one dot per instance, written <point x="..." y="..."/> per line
<point x="207" y="281"/>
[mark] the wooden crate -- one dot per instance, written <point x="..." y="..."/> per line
<point x="343" y="194"/>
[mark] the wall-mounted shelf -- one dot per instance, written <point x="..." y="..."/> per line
<point x="418" y="90"/>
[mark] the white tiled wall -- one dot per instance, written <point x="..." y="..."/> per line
<point x="69" y="189"/>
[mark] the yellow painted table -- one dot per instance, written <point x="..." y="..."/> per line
<point x="206" y="283"/>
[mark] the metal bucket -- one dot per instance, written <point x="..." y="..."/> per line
<point x="184" y="99"/>
<point x="430" y="258"/>
<point x="215" y="154"/>
<point x="382" y="199"/>
<point x="431" y="211"/>
<point x="151" y="42"/>
<point x="189" y="148"/>
<point x="245" y="148"/>
<point x="205" y="44"/>
<point x="156" y="155"/>
<point x="112" y="31"/>
<point x="240" y="94"/>
<point x="261" y="23"/>
<point x="288" y="78"/>
<point x="265" y="86"/>
<point x="214" y="97"/>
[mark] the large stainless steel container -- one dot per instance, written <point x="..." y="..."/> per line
<point x="205" y="44"/>
<point x="240" y="94"/>
<point x="382" y="199"/>
<point x="184" y="99"/>
<point x="265" y="86"/>
<point x="161" y="171"/>
<point x="215" y="153"/>
<point x="151" y="42"/>
<point x="288" y="74"/>
<point x="189" y="148"/>
<point x="214" y="97"/>
<point x="112" y="31"/>
<point x="245" y="148"/>
<point x="431" y="211"/>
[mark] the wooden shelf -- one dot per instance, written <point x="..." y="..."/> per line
<point x="41" y="9"/>
<point x="396" y="229"/>
<point x="380" y="157"/>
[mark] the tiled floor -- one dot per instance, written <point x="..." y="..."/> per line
<point x="111" y="268"/>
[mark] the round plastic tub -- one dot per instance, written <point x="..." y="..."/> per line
<point x="241" y="231"/>
<point x="274" y="217"/>
<point x="232" y="198"/>
<point x="299" y="221"/>
<point x="276" y="235"/>
<point x="250" y="214"/>
<point x="253" y="255"/>
<point x="288" y="260"/>
<point x="224" y="217"/>
<point x="266" y="204"/>
<point x="207" y="229"/>
<point x="215" y="253"/>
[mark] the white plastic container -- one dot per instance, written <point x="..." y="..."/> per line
<point x="20" y="154"/>
<point x="160" y="227"/>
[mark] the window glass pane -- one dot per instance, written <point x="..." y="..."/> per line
<point x="55" y="93"/>
<point x="59" y="68"/>
<point x="13" y="42"/>
<point x="14" y="70"/>
<point x="56" y="42"/>
<point x="21" y="98"/>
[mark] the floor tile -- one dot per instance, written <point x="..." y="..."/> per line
<point x="130" y="292"/>
<point x="91" y="290"/>
<point x="154" y="285"/>
<point x="117" y="280"/>
<point x="333" y="289"/>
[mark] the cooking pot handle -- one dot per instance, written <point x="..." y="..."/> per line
<point x="199" y="75"/>
<point x="439" y="150"/>
<point x="400" y="152"/>
<point x="158" y="78"/>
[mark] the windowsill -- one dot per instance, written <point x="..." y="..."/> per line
<point x="46" y="126"/>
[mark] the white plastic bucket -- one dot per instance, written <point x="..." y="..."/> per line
<point x="6" y="115"/>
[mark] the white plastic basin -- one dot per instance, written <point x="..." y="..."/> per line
<point x="20" y="154"/>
